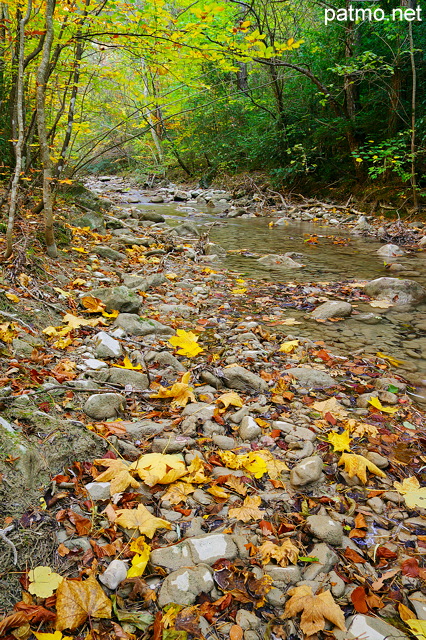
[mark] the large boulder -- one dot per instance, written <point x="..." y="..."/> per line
<point x="118" y="298"/>
<point x="332" y="309"/>
<point x="275" y="261"/>
<point x="134" y="325"/>
<point x="312" y="378"/>
<point x="143" y="283"/>
<point x="397" y="291"/>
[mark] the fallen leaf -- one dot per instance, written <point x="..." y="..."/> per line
<point x="159" y="468"/>
<point x="356" y="465"/>
<point x="230" y="398"/>
<point x="181" y="392"/>
<point x="187" y="343"/>
<point x="196" y="472"/>
<point x="248" y="511"/>
<point x="405" y="613"/>
<point x="8" y="331"/>
<point x="43" y="581"/>
<point x="375" y="402"/>
<point x="378" y="584"/>
<point x="128" y="365"/>
<point x="237" y="485"/>
<point x="178" y="492"/>
<point x="414" y="495"/>
<point x="218" y="492"/>
<point x="118" y="473"/>
<point x="418" y="627"/>
<point x="141" y="519"/>
<point x="332" y="406"/>
<point x="393" y="361"/>
<point x="236" y="632"/>
<point x="380" y="304"/>
<point x="315" y="610"/>
<point x="340" y="441"/>
<point x="76" y="601"/>
<point x="360" y="429"/>
<point x="140" y="560"/>
<point x="12" y="297"/>
<point x="284" y="553"/>
<point x="51" y="636"/>
<point x="92" y="305"/>
<point x="289" y="322"/>
<point x="289" y="346"/>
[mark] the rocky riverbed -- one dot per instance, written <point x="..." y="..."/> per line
<point x="205" y="452"/>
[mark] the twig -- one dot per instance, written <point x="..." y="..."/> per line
<point x="15" y="319"/>
<point x="9" y="542"/>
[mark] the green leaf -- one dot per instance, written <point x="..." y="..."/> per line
<point x="308" y="559"/>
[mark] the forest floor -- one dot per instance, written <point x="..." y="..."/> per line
<point x="177" y="462"/>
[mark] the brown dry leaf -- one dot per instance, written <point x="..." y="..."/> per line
<point x="76" y="601"/>
<point x="237" y="485"/>
<point x="93" y="305"/>
<point x="283" y="554"/>
<point x="315" y="610"/>
<point x="118" y="473"/>
<point x="160" y="468"/>
<point x="360" y="429"/>
<point x="405" y="613"/>
<point x="331" y="406"/>
<point x="230" y="398"/>
<point x="249" y="510"/>
<point x="141" y="519"/>
<point x="178" y="492"/>
<point x="236" y="632"/>
<point x="356" y="465"/>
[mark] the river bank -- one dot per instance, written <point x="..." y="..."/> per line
<point x="288" y="450"/>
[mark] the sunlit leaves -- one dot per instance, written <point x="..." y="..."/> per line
<point x="414" y="494"/>
<point x="77" y="600"/>
<point x="248" y="511"/>
<point x="315" y="610"/>
<point x="340" y="441"/>
<point x="356" y="465"/>
<point x="159" y="468"/>
<point x="43" y="581"/>
<point x="186" y="343"/>
<point x="141" y="519"/>
<point x="284" y="553"/>
<point x="181" y="392"/>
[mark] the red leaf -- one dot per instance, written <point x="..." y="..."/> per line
<point x="353" y="555"/>
<point x="330" y="418"/>
<point x="410" y="568"/>
<point x="83" y="525"/>
<point x="384" y="552"/>
<point x="358" y="597"/>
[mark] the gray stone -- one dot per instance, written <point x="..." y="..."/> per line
<point x="201" y="497"/>
<point x="283" y="575"/>
<point x="139" y="430"/>
<point x="206" y="548"/>
<point x="332" y="309"/>
<point x="183" y="586"/>
<point x="105" y="405"/>
<point x="247" y="620"/>
<point x="369" y="628"/>
<point x="312" y="378"/>
<point x="224" y="442"/>
<point x="118" y="299"/>
<point x="93" y="220"/>
<point x="294" y="433"/>
<point x="326" y="561"/>
<point x="418" y="600"/>
<point x="156" y="199"/>
<point x="324" y="528"/>
<point x="368" y="318"/>
<point x="166" y="359"/>
<point x="152" y="216"/>
<point x="397" y="291"/>
<point x="377" y="459"/>
<point x="106" y="347"/>
<point x="249" y="429"/>
<point x="276" y="597"/>
<point x="181" y="310"/>
<point x="390" y="250"/>
<point x="337" y="585"/>
<point x="306" y="472"/>
<point x="275" y="261"/>
<point x="172" y="444"/>
<point x="115" y="573"/>
<point x="134" y="325"/>
<point x="144" y="283"/>
<point x="201" y="410"/>
<point x="136" y="379"/>
<point x="98" y="490"/>
<point x="181" y="196"/>
<point x="108" y="253"/>
<point x="243" y="379"/>
<point x="186" y="229"/>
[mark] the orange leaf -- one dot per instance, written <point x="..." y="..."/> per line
<point x="76" y="601"/>
<point x="236" y="632"/>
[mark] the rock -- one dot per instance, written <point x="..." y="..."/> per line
<point x="135" y="326"/>
<point x="105" y="405"/>
<point x="243" y="379"/>
<point x="390" y="250"/>
<point x="186" y="229"/>
<point x="181" y="196"/>
<point x="139" y="430"/>
<point x="183" y="586"/>
<point x="247" y="620"/>
<point x="93" y="364"/>
<point x="207" y="548"/>
<point x="115" y="573"/>
<point x="108" y="253"/>
<point x="224" y="442"/>
<point x="93" y="220"/>
<point x="360" y="626"/>
<point x="332" y="309"/>
<point x="306" y="472"/>
<point x="418" y="600"/>
<point x="368" y="318"/>
<point x="106" y="347"/>
<point x="338" y="586"/>
<point x="151" y="216"/>
<point x="274" y="261"/>
<point x="283" y="575"/>
<point x="326" y="561"/>
<point x="98" y="490"/>
<point x="171" y="445"/>
<point x="397" y="291"/>
<point x="201" y="410"/>
<point x="144" y="283"/>
<point x="156" y="198"/>
<point x="276" y="597"/>
<point x="164" y="358"/>
<point x="118" y="299"/>
<point x="377" y="459"/>
<point x="249" y="429"/>
<point x="201" y="497"/>
<point x="181" y="310"/>
<point x="312" y="378"/>
<point x="294" y="433"/>
<point x="324" y="528"/>
<point x="123" y="377"/>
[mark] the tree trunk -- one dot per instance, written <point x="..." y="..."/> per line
<point x="19" y="142"/>
<point x="413" y="116"/>
<point x="42" y="76"/>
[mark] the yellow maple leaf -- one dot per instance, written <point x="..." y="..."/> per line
<point x="140" y="560"/>
<point x="218" y="492"/>
<point x="356" y="465"/>
<point x="128" y="365"/>
<point x="62" y="343"/>
<point x="196" y="472"/>
<point x="181" y="392"/>
<point x="284" y="553"/>
<point x="274" y="466"/>
<point x="74" y="322"/>
<point x="141" y="519"/>
<point x="230" y="398"/>
<point x="178" y="492"/>
<point x="51" y="636"/>
<point x="118" y="473"/>
<point x="93" y="305"/>
<point x="8" y="331"/>
<point x="79" y="249"/>
<point x="340" y="441"/>
<point x="414" y="495"/>
<point x="418" y="628"/>
<point x="12" y="297"/>
<point x="333" y="406"/>
<point x="375" y="402"/>
<point x="315" y="610"/>
<point x="237" y="485"/>
<point x="255" y="464"/>
<point x="43" y="581"/>
<point x="78" y="282"/>
<point x="114" y="314"/>
<point x="161" y="468"/>
<point x="186" y="341"/>
<point x="289" y="346"/>
<point x="393" y="361"/>
<point x="239" y="292"/>
<point x="248" y="511"/>
<point x="359" y="429"/>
